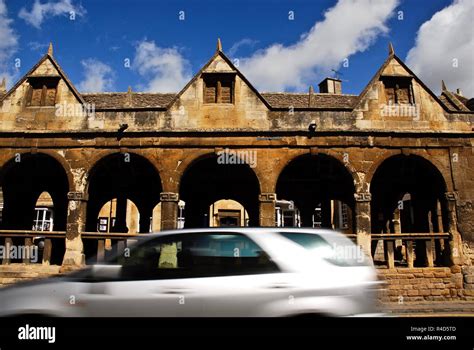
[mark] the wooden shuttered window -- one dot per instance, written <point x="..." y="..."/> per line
<point x="226" y="92"/>
<point x="210" y="90"/>
<point x="219" y="88"/>
<point x="42" y="91"/>
<point x="398" y="90"/>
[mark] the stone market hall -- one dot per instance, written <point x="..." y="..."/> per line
<point x="392" y="167"/>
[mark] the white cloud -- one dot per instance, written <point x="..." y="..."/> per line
<point x="349" y="27"/>
<point x="447" y="36"/>
<point x="37" y="46"/>
<point x="165" y="69"/>
<point x="8" y="46"/>
<point x="40" y="11"/>
<point x="99" y="77"/>
<point x="244" y="42"/>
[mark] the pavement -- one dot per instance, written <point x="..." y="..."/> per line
<point x="431" y="309"/>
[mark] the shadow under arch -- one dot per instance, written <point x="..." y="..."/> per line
<point x="123" y="176"/>
<point x="408" y="196"/>
<point x="24" y="181"/>
<point x="319" y="185"/>
<point x="207" y="180"/>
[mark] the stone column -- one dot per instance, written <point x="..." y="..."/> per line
<point x="267" y="209"/>
<point x="76" y="223"/>
<point x="120" y="225"/>
<point x="169" y="210"/>
<point x="362" y="216"/>
<point x="455" y="241"/>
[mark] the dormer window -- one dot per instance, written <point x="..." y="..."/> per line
<point x="218" y="87"/>
<point x="398" y="90"/>
<point x="42" y="91"/>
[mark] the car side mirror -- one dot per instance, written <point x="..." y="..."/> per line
<point x="106" y="272"/>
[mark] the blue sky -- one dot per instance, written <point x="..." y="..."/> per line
<point x="165" y="51"/>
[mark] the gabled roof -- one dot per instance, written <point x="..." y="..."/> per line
<point x="63" y="75"/>
<point x="378" y="74"/>
<point x="453" y="101"/>
<point x="234" y="68"/>
<point x="449" y="101"/>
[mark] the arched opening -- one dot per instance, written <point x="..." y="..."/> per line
<point x="316" y="191"/>
<point x="156" y="216"/>
<point x="34" y="188"/>
<point x="408" y="197"/>
<point x="212" y="179"/>
<point x="126" y="184"/>
<point x="227" y="213"/>
<point x="107" y="218"/>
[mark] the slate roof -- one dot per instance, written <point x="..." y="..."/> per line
<point x="298" y="100"/>
<point x="117" y="100"/>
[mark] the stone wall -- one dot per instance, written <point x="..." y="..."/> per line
<point x="15" y="273"/>
<point x="427" y="284"/>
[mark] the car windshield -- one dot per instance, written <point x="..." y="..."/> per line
<point x="337" y="250"/>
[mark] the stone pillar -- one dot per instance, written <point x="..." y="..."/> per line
<point x="267" y="209"/>
<point x="120" y="225"/>
<point x="455" y="241"/>
<point x="169" y="210"/>
<point x="76" y="223"/>
<point x="362" y="216"/>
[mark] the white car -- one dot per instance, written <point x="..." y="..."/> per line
<point x="222" y="272"/>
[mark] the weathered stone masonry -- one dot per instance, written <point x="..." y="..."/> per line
<point x="312" y="148"/>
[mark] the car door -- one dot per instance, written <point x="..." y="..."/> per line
<point x="151" y="282"/>
<point x="234" y="277"/>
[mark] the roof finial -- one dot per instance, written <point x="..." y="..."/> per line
<point x="443" y="86"/>
<point x="50" y="49"/>
<point x="310" y="95"/>
<point x="391" y="50"/>
<point x="3" y="86"/>
<point x="219" y="44"/>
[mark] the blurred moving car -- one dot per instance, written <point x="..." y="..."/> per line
<point x="223" y="272"/>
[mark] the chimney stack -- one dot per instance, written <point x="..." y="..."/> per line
<point x="310" y="96"/>
<point x="459" y="92"/>
<point x="330" y="86"/>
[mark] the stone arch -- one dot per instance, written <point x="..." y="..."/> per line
<point x="398" y="175"/>
<point x="193" y="159"/>
<point x="336" y="155"/>
<point x="390" y="153"/>
<point x="123" y="175"/>
<point x="317" y="184"/>
<point x="204" y="181"/>
<point x="97" y="157"/>
<point x="10" y="158"/>
<point x="23" y="179"/>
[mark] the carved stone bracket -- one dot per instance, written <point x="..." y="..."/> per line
<point x="169" y="197"/>
<point x="77" y="196"/>
<point x="451" y="196"/>
<point x="363" y="196"/>
<point x="267" y="197"/>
